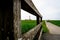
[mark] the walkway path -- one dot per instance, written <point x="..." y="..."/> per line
<point x="54" y="32"/>
<point x="53" y="29"/>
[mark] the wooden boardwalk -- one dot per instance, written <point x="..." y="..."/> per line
<point x="54" y="32"/>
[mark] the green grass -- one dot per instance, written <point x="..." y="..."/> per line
<point x="44" y="27"/>
<point x="27" y="25"/>
<point x="56" y="22"/>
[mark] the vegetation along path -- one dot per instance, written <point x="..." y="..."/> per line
<point x="54" y="32"/>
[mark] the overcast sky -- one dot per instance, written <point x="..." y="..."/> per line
<point x="50" y="10"/>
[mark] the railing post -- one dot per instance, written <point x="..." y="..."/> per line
<point x="41" y="19"/>
<point x="37" y="19"/>
<point x="17" y="18"/>
<point x="9" y="19"/>
<point x="6" y="20"/>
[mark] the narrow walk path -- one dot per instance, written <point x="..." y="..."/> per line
<point x="53" y="29"/>
<point x="54" y="32"/>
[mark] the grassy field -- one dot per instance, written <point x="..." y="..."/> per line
<point x="29" y="24"/>
<point x="56" y="22"/>
<point x="44" y="27"/>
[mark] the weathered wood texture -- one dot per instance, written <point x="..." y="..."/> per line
<point x="10" y="19"/>
<point x="31" y="34"/>
<point x="6" y="20"/>
<point x="30" y="3"/>
<point x="40" y="36"/>
<point x="28" y="6"/>
<point x="38" y="33"/>
<point x="17" y="18"/>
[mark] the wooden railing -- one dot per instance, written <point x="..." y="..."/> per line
<point x="31" y="34"/>
<point x="10" y="20"/>
<point x="36" y="32"/>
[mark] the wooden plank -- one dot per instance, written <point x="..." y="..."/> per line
<point x="10" y="18"/>
<point x="38" y="33"/>
<point x="17" y="18"/>
<point x="30" y="3"/>
<point x="1" y="25"/>
<point x="6" y="11"/>
<point x="40" y="36"/>
<point x="27" y="8"/>
<point x="30" y="34"/>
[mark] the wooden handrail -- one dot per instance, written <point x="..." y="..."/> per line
<point x="30" y="34"/>
<point x="40" y="34"/>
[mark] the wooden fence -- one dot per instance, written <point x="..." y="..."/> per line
<point x="10" y="20"/>
<point x="33" y="34"/>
